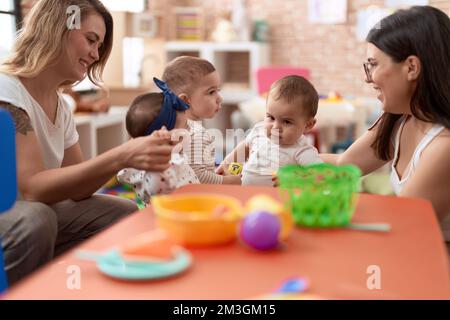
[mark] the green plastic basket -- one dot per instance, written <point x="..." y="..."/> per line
<point x="320" y="195"/>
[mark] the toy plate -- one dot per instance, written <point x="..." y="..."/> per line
<point x="114" y="265"/>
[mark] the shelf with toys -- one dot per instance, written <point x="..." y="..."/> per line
<point x="100" y="132"/>
<point x="235" y="61"/>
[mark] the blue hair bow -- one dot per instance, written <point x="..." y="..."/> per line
<point x="168" y="114"/>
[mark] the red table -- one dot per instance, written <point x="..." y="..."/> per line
<point x="412" y="260"/>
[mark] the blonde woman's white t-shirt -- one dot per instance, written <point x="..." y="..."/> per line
<point x="53" y="138"/>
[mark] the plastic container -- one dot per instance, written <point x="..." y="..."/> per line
<point x="198" y="219"/>
<point x="320" y="195"/>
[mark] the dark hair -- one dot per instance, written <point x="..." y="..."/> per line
<point x="184" y="72"/>
<point x="143" y="111"/>
<point x="422" y="31"/>
<point x="296" y="89"/>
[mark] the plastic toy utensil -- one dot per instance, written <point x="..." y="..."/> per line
<point x="114" y="265"/>
<point x="380" y="227"/>
<point x="294" y="285"/>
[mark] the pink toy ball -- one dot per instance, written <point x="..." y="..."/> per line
<point x="260" y="230"/>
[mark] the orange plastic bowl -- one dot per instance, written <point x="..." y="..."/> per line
<point x="198" y="219"/>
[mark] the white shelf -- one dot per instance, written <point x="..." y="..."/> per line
<point x="221" y="55"/>
<point x="100" y="132"/>
<point x="237" y="96"/>
<point x="217" y="46"/>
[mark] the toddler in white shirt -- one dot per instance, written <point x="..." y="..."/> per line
<point x="279" y="139"/>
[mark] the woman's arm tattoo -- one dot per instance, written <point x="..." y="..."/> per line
<point x="20" y="117"/>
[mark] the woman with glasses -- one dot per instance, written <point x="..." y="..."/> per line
<point x="408" y="64"/>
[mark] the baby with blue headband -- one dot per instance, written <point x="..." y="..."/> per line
<point x="159" y="113"/>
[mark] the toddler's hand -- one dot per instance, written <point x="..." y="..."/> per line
<point x="275" y="181"/>
<point x="221" y="169"/>
<point x="232" y="179"/>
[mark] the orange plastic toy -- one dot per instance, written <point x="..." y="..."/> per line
<point x="150" y="245"/>
<point x="198" y="219"/>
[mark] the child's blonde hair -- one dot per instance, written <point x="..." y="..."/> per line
<point x="182" y="73"/>
<point x="296" y="89"/>
<point x="41" y="41"/>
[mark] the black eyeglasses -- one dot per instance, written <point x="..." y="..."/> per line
<point x="368" y="69"/>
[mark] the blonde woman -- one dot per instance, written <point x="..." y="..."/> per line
<point x="61" y="42"/>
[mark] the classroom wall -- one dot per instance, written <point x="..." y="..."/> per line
<point x="332" y="52"/>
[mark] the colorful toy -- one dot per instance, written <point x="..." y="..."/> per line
<point x="151" y="255"/>
<point x="267" y="203"/>
<point x="292" y="289"/>
<point x="154" y="245"/>
<point x="124" y="191"/>
<point x="198" y="219"/>
<point x="333" y="96"/>
<point x="111" y="183"/>
<point x="320" y="195"/>
<point x="294" y="285"/>
<point x="261" y="230"/>
<point x="235" y="168"/>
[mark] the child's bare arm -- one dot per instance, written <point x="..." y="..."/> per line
<point x="239" y="154"/>
<point x="232" y="179"/>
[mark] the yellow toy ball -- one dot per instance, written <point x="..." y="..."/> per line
<point x="266" y="203"/>
<point x="235" y="168"/>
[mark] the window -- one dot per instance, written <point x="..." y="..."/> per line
<point x="6" y="6"/>
<point x="10" y="18"/>
<point x="129" y="5"/>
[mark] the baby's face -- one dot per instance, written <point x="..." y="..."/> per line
<point x="205" y="100"/>
<point x="286" y="121"/>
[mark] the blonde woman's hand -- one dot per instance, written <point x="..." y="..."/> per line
<point x="276" y="182"/>
<point x="150" y="153"/>
<point x="161" y="134"/>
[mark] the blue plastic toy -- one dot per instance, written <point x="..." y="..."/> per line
<point x="294" y="285"/>
<point x="8" y="188"/>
